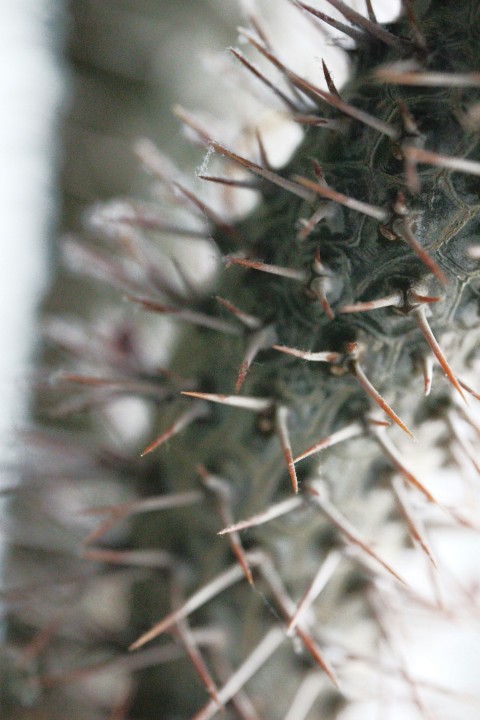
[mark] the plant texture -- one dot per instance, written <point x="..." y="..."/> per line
<point x="319" y="387"/>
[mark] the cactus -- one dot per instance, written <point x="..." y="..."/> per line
<point x="258" y="543"/>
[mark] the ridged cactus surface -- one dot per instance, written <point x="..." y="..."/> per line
<point x="316" y="391"/>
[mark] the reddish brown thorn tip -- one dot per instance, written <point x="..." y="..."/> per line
<point x="282" y="429"/>
<point x="230" y="182"/>
<point x="221" y="490"/>
<point x="418" y="36"/>
<point x="350" y="533"/>
<point x="191" y="316"/>
<point x="249" y="321"/>
<point x="329" y="80"/>
<point x="428" y="261"/>
<point x="469" y="389"/>
<point x="271" y="513"/>
<point x="350" y="431"/>
<point x="422" y="322"/>
<point x="328" y="20"/>
<point x="263" y="79"/>
<point x="427" y="368"/>
<point x="365" y="383"/>
<point x="261" y="149"/>
<point x="371" y="27"/>
<point x="370" y="11"/>
<point x="187" y="418"/>
<point x="261" y="339"/>
<point x="392" y="454"/>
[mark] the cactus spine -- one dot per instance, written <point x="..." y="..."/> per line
<point x="344" y="321"/>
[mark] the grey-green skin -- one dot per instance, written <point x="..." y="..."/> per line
<point x="237" y="445"/>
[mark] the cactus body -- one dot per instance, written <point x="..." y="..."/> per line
<point x="335" y="289"/>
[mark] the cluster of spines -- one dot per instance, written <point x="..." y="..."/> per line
<point x="395" y="224"/>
